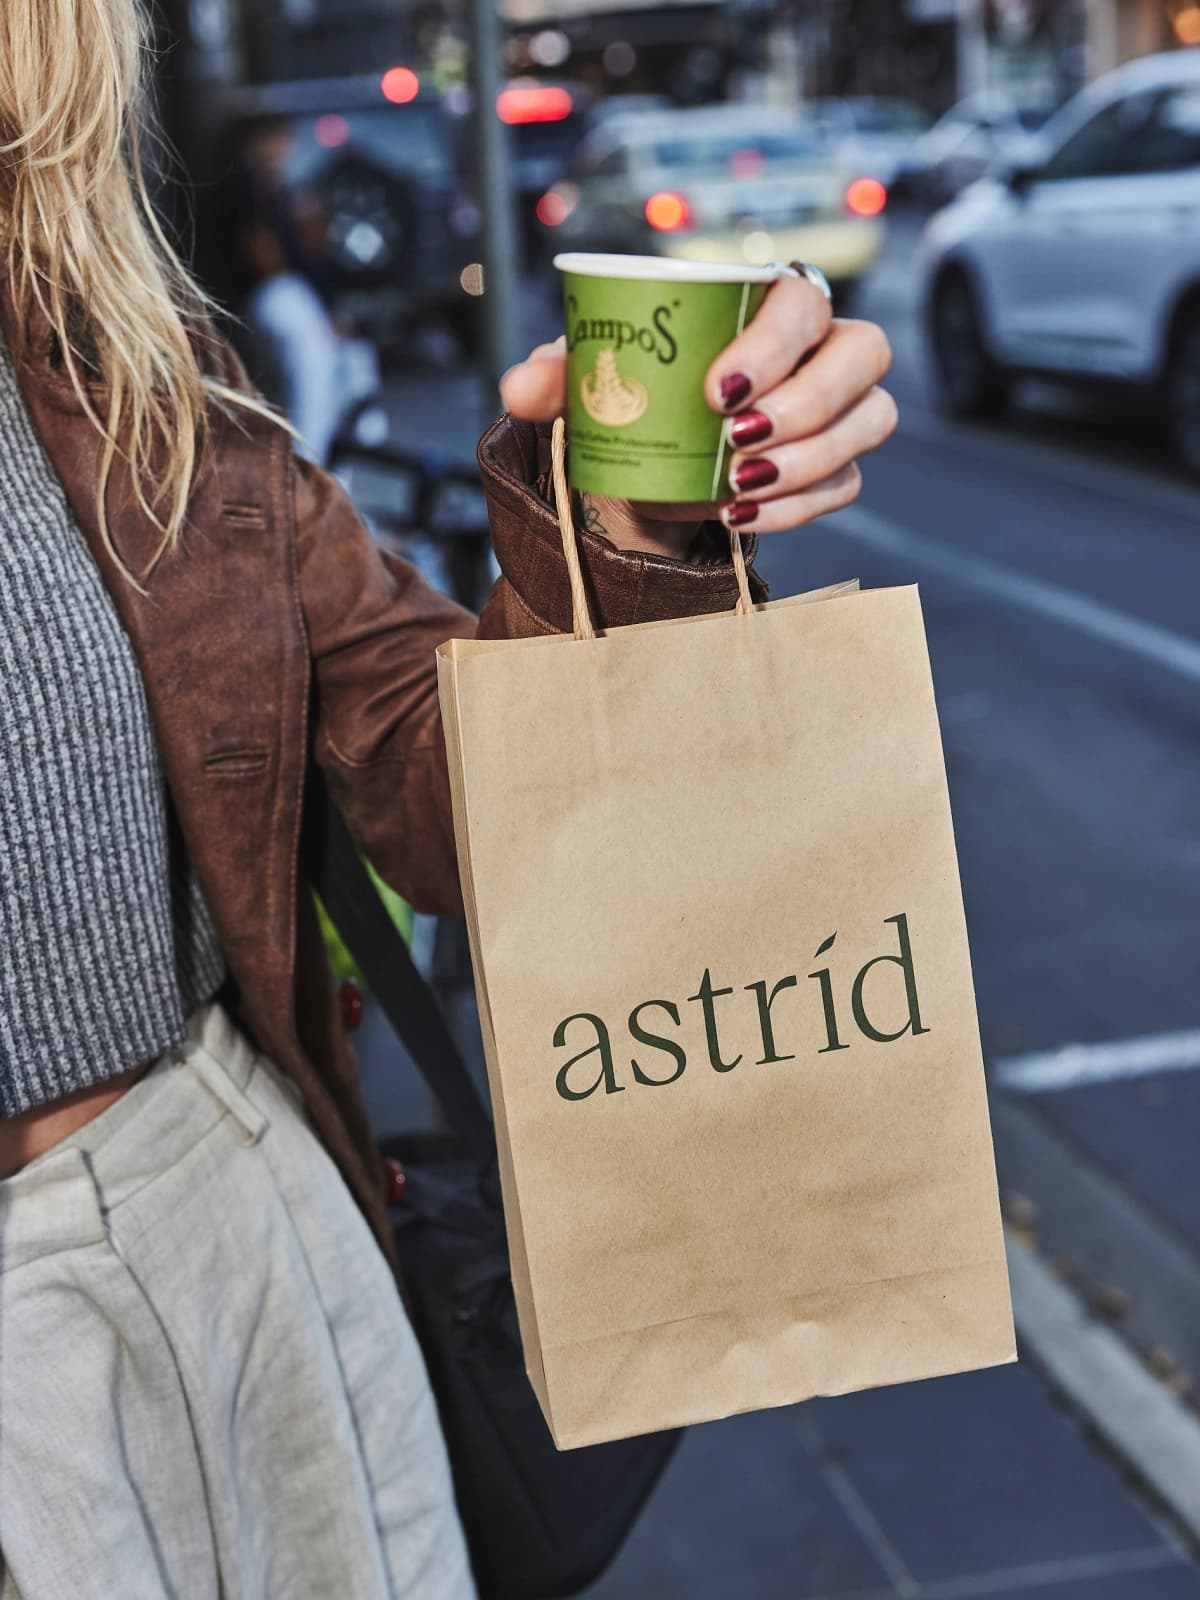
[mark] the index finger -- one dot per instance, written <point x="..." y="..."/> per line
<point x="793" y="319"/>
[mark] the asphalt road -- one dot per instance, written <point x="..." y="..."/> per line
<point x="1058" y="558"/>
<point x="1074" y="759"/>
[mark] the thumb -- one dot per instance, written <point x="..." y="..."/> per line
<point x="536" y="389"/>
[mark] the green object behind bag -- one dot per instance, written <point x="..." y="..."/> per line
<point x="343" y="963"/>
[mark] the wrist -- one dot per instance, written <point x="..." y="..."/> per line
<point x="624" y="526"/>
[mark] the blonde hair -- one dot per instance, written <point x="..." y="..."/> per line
<point x="81" y="241"/>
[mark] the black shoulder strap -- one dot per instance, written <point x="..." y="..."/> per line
<point x="337" y="873"/>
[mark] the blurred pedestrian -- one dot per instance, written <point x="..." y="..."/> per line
<point x="208" y="1384"/>
<point x="278" y="280"/>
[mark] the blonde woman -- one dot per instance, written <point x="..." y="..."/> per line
<point x="207" y="1381"/>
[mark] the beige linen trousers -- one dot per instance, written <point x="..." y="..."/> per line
<point x="209" y="1389"/>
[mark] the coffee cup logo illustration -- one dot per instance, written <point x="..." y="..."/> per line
<point x="610" y="398"/>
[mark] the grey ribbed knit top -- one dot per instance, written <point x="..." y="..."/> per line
<point x="106" y="943"/>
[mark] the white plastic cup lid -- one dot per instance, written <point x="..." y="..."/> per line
<point x="664" y="269"/>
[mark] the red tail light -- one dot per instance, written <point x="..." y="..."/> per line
<point x="535" y="103"/>
<point x="400" y="85"/>
<point x="866" y="197"/>
<point x="748" y="163"/>
<point x="668" y="212"/>
<point x="331" y="131"/>
<point x="554" y="207"/>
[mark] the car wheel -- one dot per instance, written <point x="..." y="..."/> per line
<point x="1183" y="394"/>
<point x="970" y="384"/>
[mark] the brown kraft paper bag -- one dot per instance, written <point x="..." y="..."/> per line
<point x="727" y="1007"/>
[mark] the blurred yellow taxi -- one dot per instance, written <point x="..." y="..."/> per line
<point x="731" y="183"/>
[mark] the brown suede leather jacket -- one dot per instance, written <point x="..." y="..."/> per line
<point x="275" y="634"/>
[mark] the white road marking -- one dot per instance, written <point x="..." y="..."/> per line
<point x="1076" y="1064"/>
<point x="1173" y="651"/>
<point x="864" y="1521"/>
<point x="1090" y="474"/>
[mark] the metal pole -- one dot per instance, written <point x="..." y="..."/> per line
<point x="197" y="66"/>
<point x="972" y="48"/>
<point x="501" y="302"/>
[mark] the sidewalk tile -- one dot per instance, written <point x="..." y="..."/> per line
<point x="743" y="1511"/>
<point x="978" y="1472"/>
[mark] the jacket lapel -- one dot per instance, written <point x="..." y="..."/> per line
<point x="220" y="643"/>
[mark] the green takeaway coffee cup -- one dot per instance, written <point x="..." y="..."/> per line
<point x="642" y="333"/>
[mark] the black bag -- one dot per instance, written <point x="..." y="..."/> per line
<point x="539" y="1523"/>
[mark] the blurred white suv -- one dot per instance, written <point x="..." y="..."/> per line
<point x="1085" y="265"/>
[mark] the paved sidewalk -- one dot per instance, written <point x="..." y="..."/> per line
<point x="958" y="1488"/>
<point x="955" y="1488"/>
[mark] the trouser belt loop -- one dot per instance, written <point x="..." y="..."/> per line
<point x="217" y="1081"/>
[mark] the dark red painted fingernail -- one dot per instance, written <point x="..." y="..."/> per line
<point x="739" y="512"/>
<point x="750" y="428"/>
<point x="756" y="474"/>
<point x="734" y="389"/>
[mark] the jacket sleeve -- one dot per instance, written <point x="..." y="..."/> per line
<point x="374" y="625"/>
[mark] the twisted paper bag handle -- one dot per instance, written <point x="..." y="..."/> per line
<point x="580" y="610"/>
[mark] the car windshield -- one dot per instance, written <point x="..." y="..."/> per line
<point x="734" y="150"/>
<point x="539" y="140"/>
<point x="887" y="116"/>
<point x="1032" y="118"/>
<point x="413" y="139"/>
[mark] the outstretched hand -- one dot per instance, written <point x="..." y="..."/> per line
<point x="803" y="390"/>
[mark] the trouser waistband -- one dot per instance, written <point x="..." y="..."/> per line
<point x="60" y="1201"/>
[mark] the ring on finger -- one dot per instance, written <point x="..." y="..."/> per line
<point x="806" y="269"/>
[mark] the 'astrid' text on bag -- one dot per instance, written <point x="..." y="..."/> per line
<point x="881" y="1009"/>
